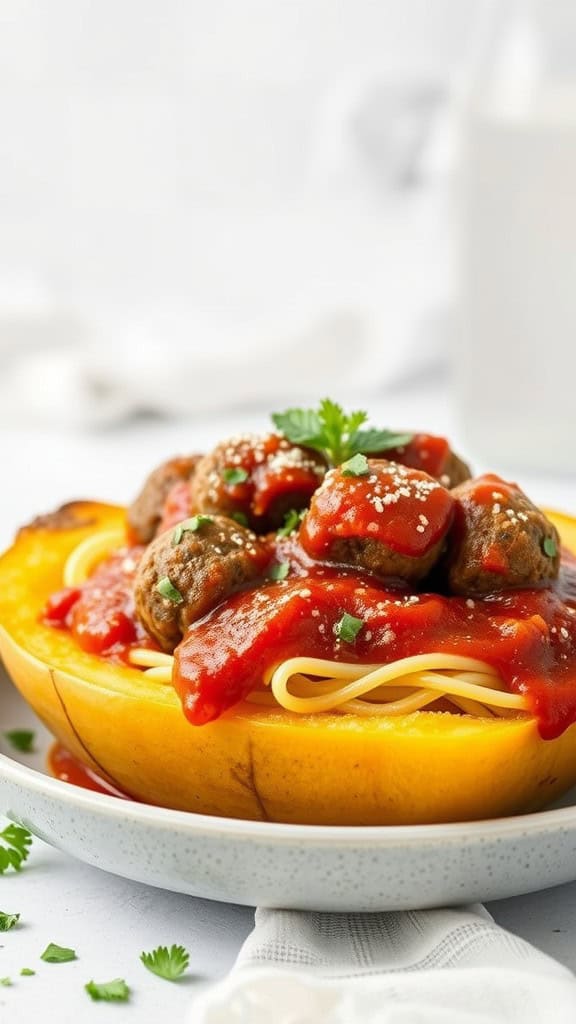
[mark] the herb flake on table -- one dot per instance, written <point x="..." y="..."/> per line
<point x="21" y="739"/>
<point x="167" y="963"/>
<point x="54" y="954"/>
<point x="27" y="972"/>
<point x="115" y="991"/>
<point x="7" y="921"/>
<point x="14" y="847"/>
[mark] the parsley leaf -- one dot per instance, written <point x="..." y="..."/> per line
<point x="110" y="991"/>
<point x="7" y="921"/>
<point x="334" y="433"/>
<point x="189" y="526"/>
<point x="301" y="426"/>
<point x="240" y="518"/>
<point x="235" y="475"/>
<point x="167" y="963"/>
<point x="167" y="589"/>
<point x="356" y="466"/>
<point x="549" y="547"/>
<point x="21" y="739"/>
<point x="5" y="981"/>
<point x="54" y="954"/>
<point x="279" y="571"/>
<point x="348" y="627"/>
<point x="15" y="852"/>
<point x="292" y="521"/>
<point x="27" y="972"/>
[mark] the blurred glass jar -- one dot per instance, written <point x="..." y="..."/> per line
<point x="516" y="350"/>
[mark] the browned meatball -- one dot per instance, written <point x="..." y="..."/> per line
<point x="455" y="471"/>
<point x="387" y="519"/>
<point x="187" y="571"/>
<point x="434" y="456"/>
<point x="500" y="540"/>
<point x="145" y="512"/>
<point x="257" y="479"/>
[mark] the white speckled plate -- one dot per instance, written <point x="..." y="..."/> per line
<point x="300" y="866"/>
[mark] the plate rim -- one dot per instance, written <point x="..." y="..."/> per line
<point x="281" y="833"/>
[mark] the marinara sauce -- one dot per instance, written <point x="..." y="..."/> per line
<point x="527" y="636"/>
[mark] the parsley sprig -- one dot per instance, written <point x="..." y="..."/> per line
<point x="14" y="843"/>
<point x="334" y="433"/>
<point x="167" y="963"/>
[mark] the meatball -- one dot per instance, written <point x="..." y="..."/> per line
<point x="186" y="572"/>
<point x="257" y="480"/>
<point x="389" y="520"/>
<point x="145" y="512"/>
<point x="500" y="540"/>
<point x="433" y="455"/>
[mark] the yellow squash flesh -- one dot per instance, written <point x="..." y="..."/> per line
<point x="255" y="762"/>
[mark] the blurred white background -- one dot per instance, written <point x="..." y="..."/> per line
<point x="208" y="210"/>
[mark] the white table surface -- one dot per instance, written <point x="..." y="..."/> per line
<point x="108" y="920"/>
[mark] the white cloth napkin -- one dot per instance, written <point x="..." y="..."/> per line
<point x="435" y="966"/>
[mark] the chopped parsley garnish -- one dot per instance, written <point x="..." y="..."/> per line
<point x="167" y="963"/>
<point x="189" y="526"/>
<point x="348" y="627"/>
<point x="335" y="434"/>
<point x="279" y="571"/>
<point x="356" y="466"/>
<point x="168" y="590"/>
<point x="235" y="475"/>
<point x="6" y="982"/>
<point x="240" y="518"/>
<point x="27" y="972"/>
<point x="54" y="954"/>
<point x="21" y="739"/>
<point x="292" y="521"/>
<point x="116" y="991"/>
<point x="549" y="547"/>
<point x="7" y="921"/>
<point x="15" y="852"/>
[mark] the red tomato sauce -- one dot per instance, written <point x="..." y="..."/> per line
<point x="527" y="636"/>
<point x="425" y="451"/>
<point x="177" y="506"/>
<point x="64" y="766"/>
<point x="100" y="613"/>
<point x="273" y="476"/>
